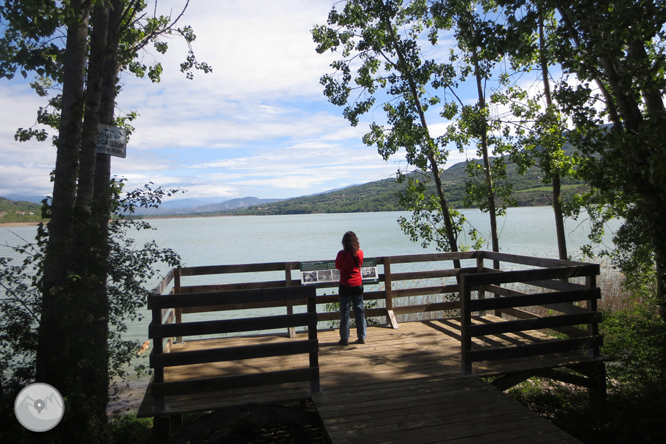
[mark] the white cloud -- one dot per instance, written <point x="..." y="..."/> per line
<point x="258" y="125"/>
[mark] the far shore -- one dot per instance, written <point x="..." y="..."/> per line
<point x="20" y="224"/>
<point x="196" y="216"/>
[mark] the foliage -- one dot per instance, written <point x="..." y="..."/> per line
<point x="480" y="47"/>
<point x="426" y="224"/>
<point x="380" y="42"/>
<point x="131" y="267"/>
<point x="128" y="429"/>
<point x="611" y="93"/>
<point x="627" y="417"/>
<point x="635" y="341"/>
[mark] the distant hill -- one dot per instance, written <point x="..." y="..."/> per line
<point x="195" y="206"/>
<point x="19" y="211"/>
<point x="21" y="198"/>
<point x="381" y="195"/>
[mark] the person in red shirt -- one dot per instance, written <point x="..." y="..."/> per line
<point x="349" y="262"/>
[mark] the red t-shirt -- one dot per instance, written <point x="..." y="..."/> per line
<point x="350" y="268"/>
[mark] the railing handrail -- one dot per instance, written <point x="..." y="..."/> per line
<point x="509" y="301"/>
<point x="552" y="274"/>
<point x="159" y="331"/>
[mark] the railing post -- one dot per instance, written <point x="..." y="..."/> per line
<point x="158" y="349"/>
<point x="465" y="321"/>
<point x="593" y="327"/>
<point x="290" y="303"/>
<point x="178" y="311"/>
<point x="479" y="269"/>
<point x="388" y="288"/>
<point x="312" y="336"/>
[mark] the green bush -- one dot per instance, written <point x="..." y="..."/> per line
<point x="128" y="429"/>
<point x="635" y="342"/>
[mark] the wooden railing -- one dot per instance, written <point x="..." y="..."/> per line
<point x="163" y="327"/>
<point x="564" y="317"/>
<point x="442" y="285"/>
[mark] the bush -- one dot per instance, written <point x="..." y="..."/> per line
<point x="635" y="341"/>
<point x="128" y="429"/>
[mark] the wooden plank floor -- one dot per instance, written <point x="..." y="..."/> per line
<point x="437" y="409"/>
<point x="401" y="386"/>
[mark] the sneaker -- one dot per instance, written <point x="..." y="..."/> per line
<point x="360" y="341"/>
<point x="343" y="342"/>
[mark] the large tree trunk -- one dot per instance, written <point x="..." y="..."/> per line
<point x="90" y="252"/>
<point x="54" y="334"/>
<point x="62" y="354"/>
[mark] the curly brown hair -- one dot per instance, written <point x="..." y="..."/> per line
<point x="350" y="243"/>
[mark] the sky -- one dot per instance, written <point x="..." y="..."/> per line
<point x="258" y="125"/>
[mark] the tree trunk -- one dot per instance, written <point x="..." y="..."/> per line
<point x="90" y="251"/>
<point x="93" y="98"/>
<point x="102" y="197"/>
<point x="492" y="210"/>
<point x="54" y="335"/>
<point x="557" y="188"/>
<point x="63" y="354"/>
<point x="448" y="223"/>
<point x="490" y="185"/>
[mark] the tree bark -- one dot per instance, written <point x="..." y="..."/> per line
<point x="54" y="335"/>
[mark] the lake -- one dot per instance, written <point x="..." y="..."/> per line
<point x="250" y="239"/>
<point x="254" y="239"/>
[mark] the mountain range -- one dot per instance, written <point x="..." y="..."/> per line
<point x="380" y="195"/>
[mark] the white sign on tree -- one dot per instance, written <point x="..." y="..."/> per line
<point x="111" y="140"/>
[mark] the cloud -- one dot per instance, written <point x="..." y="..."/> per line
<point x="258" y="125"/>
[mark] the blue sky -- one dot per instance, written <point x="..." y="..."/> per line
<point x="259" y="125"/>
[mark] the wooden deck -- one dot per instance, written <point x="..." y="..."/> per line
<point x="403" y="385"/>
<point x="412" y="381"/>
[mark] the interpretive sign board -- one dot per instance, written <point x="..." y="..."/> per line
<point x="111" y="140"/>
<point x="322" y="272"/>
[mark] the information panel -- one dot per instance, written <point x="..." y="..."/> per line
<point x="322" y="272"/>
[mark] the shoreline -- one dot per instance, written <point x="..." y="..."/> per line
<point x="198" y="216"/>
<point x="129" y="396"/>
<point x="19" y="224"/>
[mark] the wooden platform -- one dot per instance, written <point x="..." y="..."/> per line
<point x="401" y="386"/>
<point x="437" y="409"/>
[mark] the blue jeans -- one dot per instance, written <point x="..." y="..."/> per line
<point x="353" y="296"/>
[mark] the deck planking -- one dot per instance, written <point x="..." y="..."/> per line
<point x="403" y="385"/>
